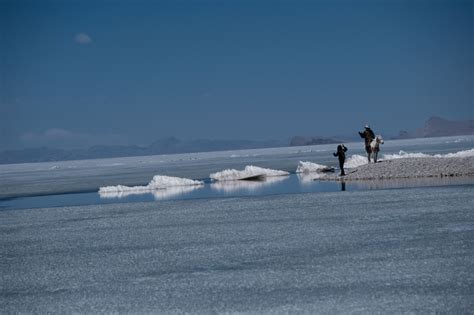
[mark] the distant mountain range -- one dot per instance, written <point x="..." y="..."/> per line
<point x="300" y="140"/>
<point x="162" y="146"/>
<point x="433" y="127"/>
<point x="439" y="127"/>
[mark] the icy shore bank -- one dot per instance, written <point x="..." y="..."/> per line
<point x="410" y="168"/>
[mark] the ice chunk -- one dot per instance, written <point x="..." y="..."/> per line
<point x="465" y="153"/>
<point x="309" y="167"/>
<point x="158" y="182"/>
<point x="402" y="154"/>
<point x="249" y="171"/>
<point x="158" y="194"/>
<point x="355" y="161"/>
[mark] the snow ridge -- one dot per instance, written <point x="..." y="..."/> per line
<point x="158" y="182"/>
<point x="309" y="167"/>
<point x="249" y="171"/>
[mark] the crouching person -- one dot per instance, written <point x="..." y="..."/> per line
<point x="341" y="155"/>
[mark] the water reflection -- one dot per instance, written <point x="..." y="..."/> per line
<point x="309" y="178"/>
<point x="343" y="185"/>
<point x="158" y="194"/>
<point x="410" y="182"/>
<point x="232" y="186"/>
<point x="174" y="191"/>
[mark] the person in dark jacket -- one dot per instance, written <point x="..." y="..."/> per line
<point x="368" y="136"/>
<point x="341" y="155"/>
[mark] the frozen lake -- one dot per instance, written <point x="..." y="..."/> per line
<point x="284" y="244"/>
<point x="402" y="250"/>
<point x="33" y="179"/>
<point x="69" y="183"/>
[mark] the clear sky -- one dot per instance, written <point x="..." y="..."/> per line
<point x="78" y="73"/>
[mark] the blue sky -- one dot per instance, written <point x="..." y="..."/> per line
<point x="78" y="73"/>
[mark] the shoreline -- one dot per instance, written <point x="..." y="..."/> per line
<point x="387" y="170"/>
<point x="408" y="168"/>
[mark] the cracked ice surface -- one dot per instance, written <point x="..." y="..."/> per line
<point x="404" y="250"/>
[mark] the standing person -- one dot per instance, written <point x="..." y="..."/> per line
<point x="368" y="136"/>
<point x="341" y="155"/>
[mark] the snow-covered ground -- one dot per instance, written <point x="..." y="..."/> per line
<point x="383" y="251"/>
<point x="411" y="167"/>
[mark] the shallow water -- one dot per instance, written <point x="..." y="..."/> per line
<point x="292" y="184"/>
